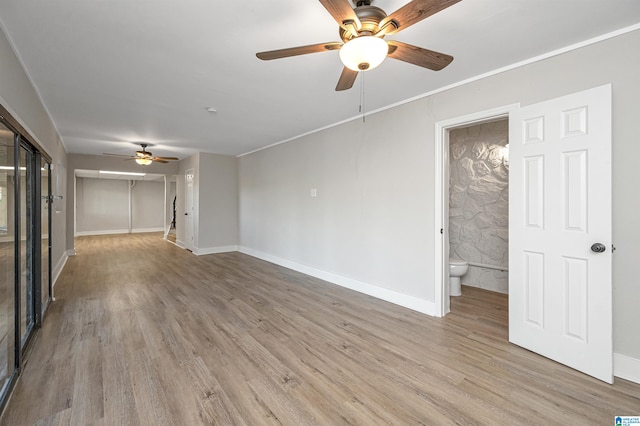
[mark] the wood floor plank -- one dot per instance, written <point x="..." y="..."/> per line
<point x="119" y="401"/>
<point x="145" y="333"/>
<point x="87" y="383"/>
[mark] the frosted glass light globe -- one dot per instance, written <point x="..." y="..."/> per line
<point x="143" y="161"/>
<point x="363" y="53"/>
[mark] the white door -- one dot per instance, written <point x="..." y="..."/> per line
<point x="188" y="214"/>
<point x="560" y="298"/>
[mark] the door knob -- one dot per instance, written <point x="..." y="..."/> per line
<point x="598" y="248"/>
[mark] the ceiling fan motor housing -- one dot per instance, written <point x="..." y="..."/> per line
<point x="144" y="153"/>
<point x="370" y="18"/>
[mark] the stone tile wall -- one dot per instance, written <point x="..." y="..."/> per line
<point x="479" y="202"/>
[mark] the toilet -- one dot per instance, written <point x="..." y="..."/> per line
<point x="457" y="268"/>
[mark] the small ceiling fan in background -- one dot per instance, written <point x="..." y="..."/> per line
<point x="144" y="157"/>
<point x="362" y="30"/>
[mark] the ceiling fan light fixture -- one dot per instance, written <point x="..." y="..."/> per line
<point x="143" y="161"/>
<point x="363" y="53"/>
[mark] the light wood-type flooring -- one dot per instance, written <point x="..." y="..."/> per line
<point x="146" y="333"/>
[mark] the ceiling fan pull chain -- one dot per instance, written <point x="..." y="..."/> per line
<point x="362" y="95"/>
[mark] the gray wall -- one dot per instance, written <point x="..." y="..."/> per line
<point x="373" y="219"/>
<point x="479" y="202"/>
<point x="147" y="206"/>
<point x="102" y="205"/>
<point x="218" y="201"/>
<point x="19" y="97"/>
<point x="215" y="198"/>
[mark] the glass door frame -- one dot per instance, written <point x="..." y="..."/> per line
<point x="32" y="245"/>
<point x="38" y="158"/>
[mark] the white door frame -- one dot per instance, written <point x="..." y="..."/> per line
<point x="441" y="222"/>
<point x="190" y="243"/>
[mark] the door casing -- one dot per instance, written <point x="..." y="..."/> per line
<point x="441" y="213"/>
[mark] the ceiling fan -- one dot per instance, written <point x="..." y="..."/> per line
<point x="362" y="30"/>
<point x="144" y="157"/>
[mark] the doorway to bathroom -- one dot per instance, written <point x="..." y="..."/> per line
<point x="560" y="239"/>
<point x="478" y="220"/>
<point x="472" y="174"/>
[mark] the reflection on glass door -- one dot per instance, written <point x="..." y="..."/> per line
<point x="7" y="259"/>
<point x="26" y="246"/>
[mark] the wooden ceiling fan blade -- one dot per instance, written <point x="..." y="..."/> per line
<point x="418" y="56"/>
<point x="300" y="50"/>
<point x="166" y="158"/>
<point x="347" y="78"/>
<point x="415" y="11"/>
<point x="158" y="160"/>
<point x="344" y="14"/>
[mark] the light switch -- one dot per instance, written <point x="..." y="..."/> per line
<point x="314" y="192"/>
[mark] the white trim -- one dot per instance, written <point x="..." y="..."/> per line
<point x="411" y="302"/>
<point x="60" y="266"/>
<point x="102" y="232"/>
<point x="441" y="211"/>
<point x="118" y="231"/>
<point x="538" y="58"/>
<point x="190" y="210"/>
<point x="172" y="242"/>
<point x="626" y="367"/>
<point x="130" y="185"/>
<point x="180" y="244"/>
<point x="441" y="191"/>
<point x="142" y="230"/>
<point x="75" y="202"/>
<point x="214" y="250"/>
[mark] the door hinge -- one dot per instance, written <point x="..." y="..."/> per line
<point x="613" y="248"/>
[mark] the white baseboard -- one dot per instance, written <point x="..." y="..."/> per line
<point x="141" y="230"/>
<point x="118" y="231"/>
<point x="102" y="232"/>
<point x="57" y="270"/>
<point x="411" y="302"/>
<point x="181" y="244"/>
<point x="214" y="250"/>
<point x="626" y="367"/>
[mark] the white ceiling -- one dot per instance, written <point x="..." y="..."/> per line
<point x="112" y="73"/>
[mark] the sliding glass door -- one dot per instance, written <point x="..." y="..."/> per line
<point x="25" y="245"/>
<point x="27" y="293"/>
<point x="8" y="257"/>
